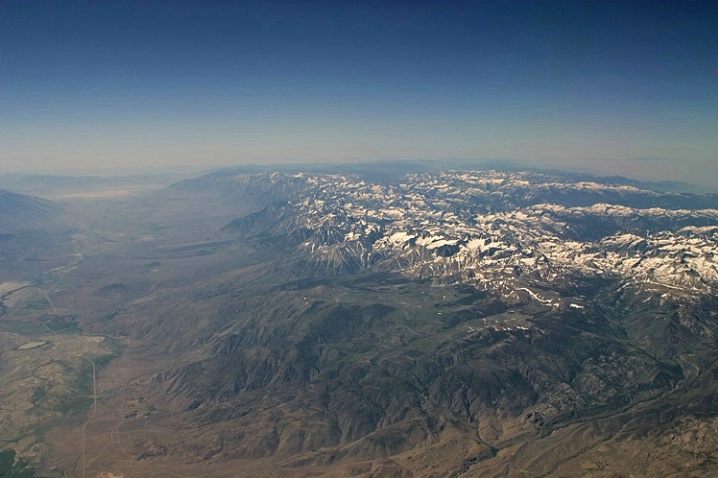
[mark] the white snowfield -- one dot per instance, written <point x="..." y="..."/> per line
<point x="485" y="227"/>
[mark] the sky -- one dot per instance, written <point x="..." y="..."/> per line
<point x="623" y="87"/>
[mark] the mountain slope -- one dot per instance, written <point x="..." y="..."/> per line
<point x="20" y="208"/>
<point x="455" y="323"/>
<point x="30" y="231"/>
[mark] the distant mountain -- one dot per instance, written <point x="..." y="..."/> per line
<point x="260" y="189"/>
<point x="449" y="323"/>
<point x="483" y="224"/>
<point x="31" y="232"/>
<point x="69" y="186"/>
<point x="463" y="319"/>
<point x="395" y="171"/>
<point x="21" y="208"/>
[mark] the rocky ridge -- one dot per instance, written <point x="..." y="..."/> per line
<point x="485" y="227"/>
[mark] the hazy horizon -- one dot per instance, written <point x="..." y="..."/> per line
<point x="610" y="88"/>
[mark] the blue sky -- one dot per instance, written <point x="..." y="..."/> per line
<point x="614" y="87"/>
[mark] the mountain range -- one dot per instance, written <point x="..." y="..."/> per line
<point x="429" y="324"/>
<point x="469" y="319"/>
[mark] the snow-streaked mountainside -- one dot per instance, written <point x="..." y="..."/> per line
<point x="488" y="228"/>
<point x="478" y="321"/>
